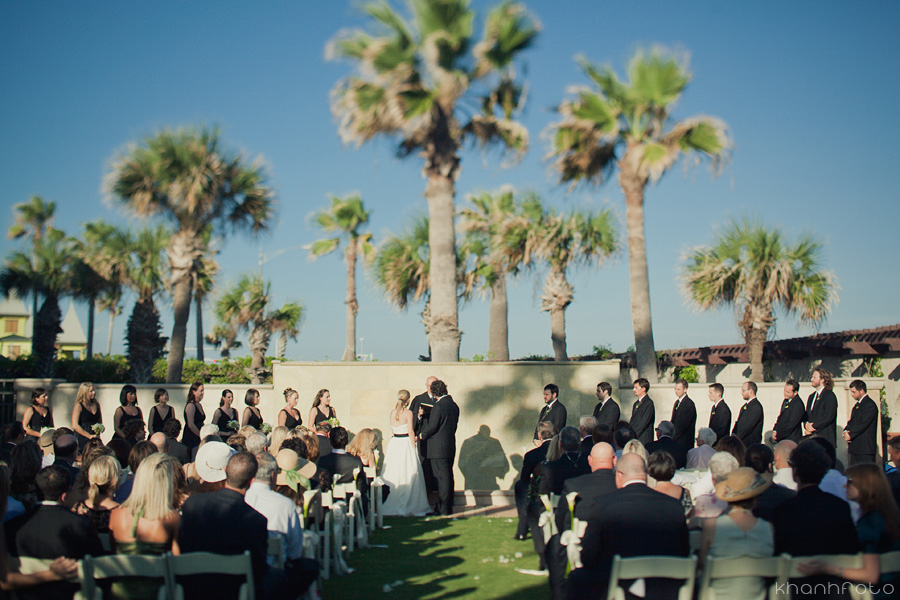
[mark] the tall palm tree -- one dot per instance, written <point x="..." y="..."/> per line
<point x="287" y="321"/>
<point x="32" y="220"/>
<point x="107" y="249"/>
<point x="146" y="276"/>
<point x="414" y="79"/>
<point x="627" y="126"/>
<point x="756" y="270"/>
<point x="204" y="282"/>
<point x="344" y="219"/>
<point x="185" y="176"/>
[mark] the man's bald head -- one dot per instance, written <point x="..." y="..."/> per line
<point x="630" y="467"/>
<point x="428" y="383"/>
<point x="160" y="440"/>
<point x="602" y="456"/>
<point x="783" y="453"/>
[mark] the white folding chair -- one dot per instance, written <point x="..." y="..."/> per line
<point x="664" y="567"/>
<point x="771" y="567"/>
<point x="207" y="563"/>
<point x="123" y="566"/>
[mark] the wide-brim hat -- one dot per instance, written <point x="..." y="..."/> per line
<point x="46" y="439"/>
<point x="211" y="460"/>
<point x="742" y="484"/>
<point x="288" y="460"/>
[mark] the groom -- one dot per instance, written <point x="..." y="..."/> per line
<point x="440" y="432"/>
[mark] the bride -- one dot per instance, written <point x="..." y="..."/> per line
<point x="402" y="468"/>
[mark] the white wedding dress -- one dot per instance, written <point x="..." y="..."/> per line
<point x="403" y="475"/>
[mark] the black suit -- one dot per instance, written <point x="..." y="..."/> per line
<point x="684" y="418"/>
<point x="178" y="451"/>
<point x="344" y="464"/>
<point x="823" y="414"/>
<point x="72" y="469"/>
<point x="749" y="424"/>
<point x="668" y="444"/>
<point x="720" y="419"/>
<point x="51" y="531"/>
<point x="554" y="412"/>
<point x="643" y="417"/>
<point x="635" y="521"/>
<point x="789" y="424"/>
<point x="814" y="522"/>
<point x="324" y="445"/>
<point x="769" y="499"/>
<point x="530" y="462"/>
<point x="894" y="481"/>
<point x="426" y="402"/>
<point x="6" y="451"/>
<point x="607" y="413"/>
<point x="862" y="427"/>
<point x="223" y="523"/>
<point x="440" y="431"/>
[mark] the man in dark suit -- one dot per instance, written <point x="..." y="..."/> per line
<point x="530" y="462"/>
<point x="553" y="410"/>
<point x="814" y="522"/>
<point x="607" y="410"/>
<point x="720" y="415"/>
<point x="177" y="450"/>
<point x="862" y="427"/>
<point x="338" y="462"/>
<point x="586" y="425"/>
<point x="684" y="416"/>
<point x="749" y="424"/>
<point x="421" y="409"/>
<point x="65" y="448"/>
<point x="440" y="433"/>
<point x="13" y="434"/>
<point x="893" y="475"/>
<point x="789" y="425"/>
<point x="643" y="415"/>
<point x="635" y="521"/>
<point x="667" y="443"/>
<point x="323" y="429"/>
<point x="50" y="530"/>
<point x="821" y="407"/>
<point x="761" y="459"/>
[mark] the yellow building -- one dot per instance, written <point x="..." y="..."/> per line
<point x="16" y="331"/>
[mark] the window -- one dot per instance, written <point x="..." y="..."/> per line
<point x="12" y="326"/>
<point x="15" y="351"/>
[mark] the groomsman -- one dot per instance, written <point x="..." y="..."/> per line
<point x="749" y="424"/>
<point x="821" y="407"/>
<point x="720" y="416"/>
<point x="553" y="411"/>
<point x="862" y="427"/>
<point x="643" y="414"/>
<point x="607" y="411"/>
<point x="684" y="416"/>
<point x="789" y="425"/>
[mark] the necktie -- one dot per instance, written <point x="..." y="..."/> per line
<point x="677" y="402"/>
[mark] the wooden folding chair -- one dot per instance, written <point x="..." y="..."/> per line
<point x="844" y="561"/>
<point x="122" y="566"/>
<point x="771" y="567"/>
<point x="664" y="567"/>
<point x="207" y="563"/>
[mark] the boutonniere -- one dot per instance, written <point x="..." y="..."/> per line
<point x="744" y="407"/>
<point x="713" y="412"/>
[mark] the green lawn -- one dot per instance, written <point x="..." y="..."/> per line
<point x="472" y="557"/>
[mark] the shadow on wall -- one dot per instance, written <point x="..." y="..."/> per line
<point x="482" y="461"/>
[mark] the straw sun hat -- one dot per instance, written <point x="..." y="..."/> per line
<point x="742" y="484"/>
<point x="211" y="460"/>
<point x="290" y="464"/>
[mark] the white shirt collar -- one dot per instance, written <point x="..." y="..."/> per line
<point x="680" y="398"/>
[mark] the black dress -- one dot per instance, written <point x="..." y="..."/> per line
<point x="222" y="422"/>
<point x="156" y="422"/>
<point x="86" y="420"/>
<point x="126" y="418"/>
<point x="320" y="416"/>
<point x="39" y="421"/>
<point x="189" y="438"/>
<point x="290" y="421"/>
<point x="255" y="419"/>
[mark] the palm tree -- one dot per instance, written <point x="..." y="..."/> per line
<point x="628" y="126"/>
<point x="146" y="276"/>
<point x="755" y="270"/>
<point x="204" y="282"/>
<point x="345" y="218"/>
<point x="185" y="176"/>
<point x="414" y="79"/>
<point x="32" y="219"/>
<point x="107" y="251"/>
<point x="287" y="321"/>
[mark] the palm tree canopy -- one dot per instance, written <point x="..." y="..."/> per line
<point x="402" y="263"/>
<point x="186" y="176"/>
<point x="48" y="271"/>
<point x="598" y="122"/>
<point x="245" y="302"/>
<point x="345" y="217"/>
<point x="146" y="273"/>
<point x="413" y="71"/>
<point x="751" y="265"/>
<point x="289" y="319"/>
<point x="32" y="219"/>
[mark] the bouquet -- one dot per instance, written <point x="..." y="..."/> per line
<point x="233" y="425"/>
<point x="265" y="428"/>
<point x="334" y="422"/>
<point x="98" y="428"/>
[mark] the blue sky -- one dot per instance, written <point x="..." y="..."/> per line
<point x="807" y="89"/>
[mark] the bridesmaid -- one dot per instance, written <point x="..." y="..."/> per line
<point x="37" y="416"/>
<point x="252" y="416"/>
<point x="321" y="408"/>
<point x="225" y="413"/>
<point x="86" y="413"/>
<point x="289" y="416"/>
<point x="129" y="411"/>
<point x="194" y="416"/>
<point x="161" y="412"/>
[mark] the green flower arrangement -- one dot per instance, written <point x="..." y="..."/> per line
<point x="98" y="428"/>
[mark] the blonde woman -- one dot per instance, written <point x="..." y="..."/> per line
<point x="86" y="413"/>
<point x="103" y="476"/>
<point x="321" y="408"/>
<point x="363" y="446"/>
<point x="402" y="467"/>
<point x="289" y="416"/>
<point x="278" y="435"/>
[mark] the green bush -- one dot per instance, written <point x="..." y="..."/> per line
<point x="99" y="369"/>
<point x="689" y="373"/>
<point x="224" y="371"/>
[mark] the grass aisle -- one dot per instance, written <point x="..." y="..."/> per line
<point x="472" y="557"/>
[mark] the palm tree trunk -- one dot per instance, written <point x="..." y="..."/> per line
<point x="112" y="322"/>
<point x="758" y="318"/>
<point x="557" y="296"/>
<point x="183" y="250"/>
<point x="46" y="328"/>
<point x="199" y="328"/>
<point x="259" y="343"/>
<point x="445" y="335"/>
<point x="558" y="334"/>
<point x="90" y="332"/>
<point x="352" y="304"/>
<point x="498" y="329"/>
<point x="281" y="347"/>
<point x="633" y="186"/>
<point x="755" y="345"/>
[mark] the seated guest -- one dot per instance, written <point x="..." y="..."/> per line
<point x="177" y="450"/>
<point x="122" y="450"/>
<point x="323" y="431"/>
<point x="278" y="435"/>
<point x="661" y="468"/>
<point x="237" y="441"/>
<point x="210" y="431"/>
<point x="338" y="462"/>
<point x="10" y="508"/>
<point x="759" y="457"/>
<point x="814" y="522"/>
<point x="621" y="437"/>
<point x="13" y="434"/>
<point x="603" y="433"/>
<point x="212" y="458"/>
<point x="665" y="441"/>
<point x="103" y="477"/>
<point x="834" y="482"/>
<point x="46" y="444"/>
<point x="698" y="458"/>
<point x="135" y="431"/>
<point x="636" y="447"/>
<point x="525" y="488"/>
<point x="635" y="521"/>
<point x="293" y="475"/>
<point x="65" y="449"/>
<point x="25" y="465"/>
<point x="140" y="451"/>
<point x="363" y="446"/>
<point x="161" y="442"/>
<point x="256" y="443"/>
<point x="586" y="426"/>
<point x="708" y="506"/>
<point x="784" y="476"/>
<point x="50" y="530"/>
<point x="733" y="446"/>
<point x="738" y="533"/>
<point x="894" y="475"/>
